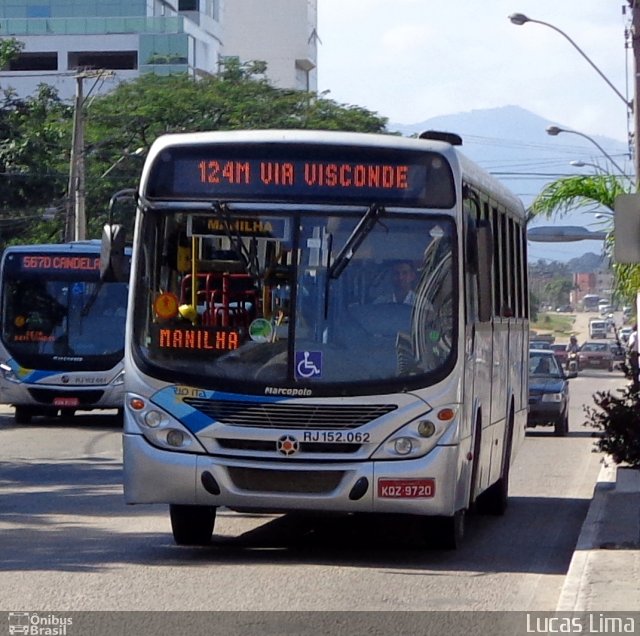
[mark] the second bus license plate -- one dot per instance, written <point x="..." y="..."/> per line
<point x="66" y="401"/>
<point x="406" y="488"/>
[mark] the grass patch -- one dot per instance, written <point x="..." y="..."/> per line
<point x="558" y="325"/>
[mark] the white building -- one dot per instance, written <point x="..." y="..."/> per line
<point x="130" y="37"/>
<point x="280" y="32"/>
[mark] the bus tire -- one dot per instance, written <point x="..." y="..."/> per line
<point x="23" y="415"/>
<point x="192" y="525"/>
<point x="446" y="533"/>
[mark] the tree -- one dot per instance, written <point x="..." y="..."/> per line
<point x="34" y="156"/>
<point x="35" y="137"/>
<point x="558" y="291"/>
<point x="590" y="194"/>
<point x="136" y="113"/>
<point x="10" y="48"/>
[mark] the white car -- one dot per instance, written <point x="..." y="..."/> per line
<point x="624" y="333"/>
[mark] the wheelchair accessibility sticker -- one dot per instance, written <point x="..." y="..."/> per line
<point x="308" y="364"/>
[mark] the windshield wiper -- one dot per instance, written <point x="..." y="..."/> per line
<point x="221" y="211"/>
<point x="359" y="234"/>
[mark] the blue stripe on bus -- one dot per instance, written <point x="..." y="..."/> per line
<point x="171" y="401"/>
<point x="29" y="375"/>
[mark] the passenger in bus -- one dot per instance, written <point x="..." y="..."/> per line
<point x="403" y="280"/>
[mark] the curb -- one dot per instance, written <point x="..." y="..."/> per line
<point x="574" y="594"/>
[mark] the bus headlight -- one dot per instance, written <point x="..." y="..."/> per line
<point x="426" y="428"/>
<point x="175" y="437"/>
<point x="403" y="445"/>
<point x="418" y="437"/>
<point x="154" y="418"/>
<point x="119" y="379"/>
<point x="8" y="373"/>
<point x="160" y="428"/>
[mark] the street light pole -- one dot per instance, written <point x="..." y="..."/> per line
<point x="581" y="164"/>
<point x="556" y="130"/>
<point x="633" y="106"/>
<point x="519" y="19"/>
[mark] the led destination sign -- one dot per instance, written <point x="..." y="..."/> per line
<point x="61" y="266"/>
<point x="212" y="226"/>
<point x="50" y="262"/>
<point x="194" y="339"/>
<point x="317" y="173"/>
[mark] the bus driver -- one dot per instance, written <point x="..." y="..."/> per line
<point x="403" y="279"/>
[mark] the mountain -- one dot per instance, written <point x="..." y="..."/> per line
<point x="512" y="144"/>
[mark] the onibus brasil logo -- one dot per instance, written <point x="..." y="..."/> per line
<point x="38" y="624"/>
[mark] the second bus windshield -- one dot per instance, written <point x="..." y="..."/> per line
<point x="311" y="299"/>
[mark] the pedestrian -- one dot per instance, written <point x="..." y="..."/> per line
<point x="632" y="348"/>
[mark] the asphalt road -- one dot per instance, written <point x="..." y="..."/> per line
<point x="68" y="542"/>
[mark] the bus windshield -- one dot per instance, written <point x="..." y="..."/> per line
<point x="66" y="316"/>
<point x="313" y="298"/>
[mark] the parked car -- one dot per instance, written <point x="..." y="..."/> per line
<point x="595" y="355"/>
<point x="548" y="392"/>
<point x="560" y="352"/>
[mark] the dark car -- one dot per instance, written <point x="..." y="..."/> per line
<point x="548" y="392"/>
<point x="595" y="355"/>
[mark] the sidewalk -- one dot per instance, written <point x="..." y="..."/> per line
<point x="604" y="573"/>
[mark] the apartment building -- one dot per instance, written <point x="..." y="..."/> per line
<point x="130" y="37"/>
<point x="281" y="32"/>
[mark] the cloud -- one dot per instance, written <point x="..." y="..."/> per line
<point x="405" y="39"/>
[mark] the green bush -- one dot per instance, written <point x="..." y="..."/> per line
<point x="618" y="421"/>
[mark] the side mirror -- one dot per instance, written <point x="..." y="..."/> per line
<point x="485" y="261"/>
<point x="113" y="262"/>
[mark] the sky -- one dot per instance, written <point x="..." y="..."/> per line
<point x="410" y="60"/>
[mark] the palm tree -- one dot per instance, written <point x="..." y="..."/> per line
<point x="590" y="193"/>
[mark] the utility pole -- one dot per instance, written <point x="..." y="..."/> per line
<point x="77" y="151"/>
<point x="75" y="222"/>
<point x="75" y="227"/>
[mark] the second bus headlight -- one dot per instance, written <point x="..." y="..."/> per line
<point x="418" y="437"/>
<point x="160" y="428"/>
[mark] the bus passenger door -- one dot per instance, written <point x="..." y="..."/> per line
<point x="478" y="356"/>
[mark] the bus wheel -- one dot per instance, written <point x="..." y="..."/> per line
<point x="23" y="415"/>
<point x="446" y="533"/>
<point x="67" y="412"/>
<point x="192" y="525"/>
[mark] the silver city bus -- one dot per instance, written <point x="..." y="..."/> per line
<point x="62" y="334"/>
<point x="323" y="321"/>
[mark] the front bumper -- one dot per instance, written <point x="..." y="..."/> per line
<point x="45" y="396"/>
<point x="543" y="413"/>
<point x="153" y="475"/>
